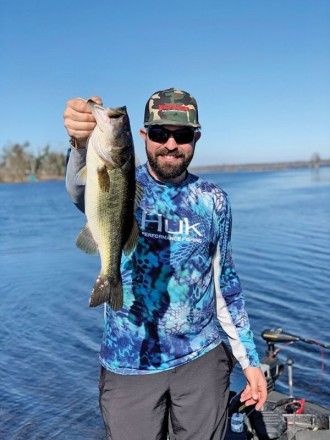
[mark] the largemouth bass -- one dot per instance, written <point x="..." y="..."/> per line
<point x="110" y="193"/>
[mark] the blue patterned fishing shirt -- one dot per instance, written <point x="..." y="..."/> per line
<point x="180" y="283"/>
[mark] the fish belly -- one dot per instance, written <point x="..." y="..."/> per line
<point x="110" y="218"/>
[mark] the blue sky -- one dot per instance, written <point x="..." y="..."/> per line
<point x="259" y="69"/>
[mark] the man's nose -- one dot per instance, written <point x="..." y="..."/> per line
<point x="171" y="144"/>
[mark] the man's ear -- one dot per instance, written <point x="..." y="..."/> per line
<point x="198" y="134"/>
<point x="143" y="133"/>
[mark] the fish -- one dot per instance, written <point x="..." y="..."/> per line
<point x="111" y="196"/>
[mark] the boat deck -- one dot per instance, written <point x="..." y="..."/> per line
<point x="274" y="422"/>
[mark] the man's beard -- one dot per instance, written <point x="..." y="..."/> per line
<point x="169" y="170"/>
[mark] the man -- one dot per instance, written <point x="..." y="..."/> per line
<point x="162" y="354"/>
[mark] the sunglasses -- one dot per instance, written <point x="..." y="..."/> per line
<point x="161" y="135"/>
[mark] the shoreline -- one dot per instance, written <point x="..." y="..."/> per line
<point x="252" y="167"/>
<point x="259" y="167"/>
<point x="27" y="179"/>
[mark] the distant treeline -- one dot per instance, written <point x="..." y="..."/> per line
<point x="19" y="164"/>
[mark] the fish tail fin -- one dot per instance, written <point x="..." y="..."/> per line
<point x="100" y="292"/>
<point x="107" y="290"/>
<point x="116" y="295"/>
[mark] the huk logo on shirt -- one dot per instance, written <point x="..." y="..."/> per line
<point x="174" y="229"/>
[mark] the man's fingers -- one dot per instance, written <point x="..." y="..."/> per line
<point x="78" y="119"/>
<point x="79" y="135"/>
<point x="79" y="116"/>
<point x="262" y="396"/>
<point x="78" y="104"/>
<point x="77" y="107"/>
<point x="79" y="127"/>
<point x="256" y="389"/>
<point x="246" y="394"/>
<point x="255" y="392"/>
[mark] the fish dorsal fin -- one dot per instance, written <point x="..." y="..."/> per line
<point x="81" y="177"/>
<point x="132" y="239"/>
<point x="86" y="242"/>
<point x="138" y="195"/>
<point x="103" y="179"/>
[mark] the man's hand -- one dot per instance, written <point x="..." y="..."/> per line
<point x="256" y="389"/>
<point x="78" y="119"/>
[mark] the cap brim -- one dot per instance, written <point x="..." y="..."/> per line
<point x="168" y="122"/>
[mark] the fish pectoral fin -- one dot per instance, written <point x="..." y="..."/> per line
<point x="132" y="239"/>
<point x="138" y="195"/>
<point x="81" y="177"/>
<point x="103" y="179"/>
<point x="86" y="242"/>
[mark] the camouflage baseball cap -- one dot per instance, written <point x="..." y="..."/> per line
<point x="171" y="107"/>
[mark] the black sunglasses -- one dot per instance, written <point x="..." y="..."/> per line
<point x="161" y="135"/>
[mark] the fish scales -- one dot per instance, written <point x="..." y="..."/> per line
<point x="109" y="201"/>
<point x="119" y="230"/>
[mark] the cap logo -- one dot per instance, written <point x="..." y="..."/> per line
<point x="181" y="108"/>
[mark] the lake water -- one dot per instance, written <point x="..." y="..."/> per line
<point x="50" y="338"/>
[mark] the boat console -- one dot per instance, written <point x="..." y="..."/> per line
<point x="283" y="417"/>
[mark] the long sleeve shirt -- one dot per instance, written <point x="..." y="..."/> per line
<point x="180" y="284"/>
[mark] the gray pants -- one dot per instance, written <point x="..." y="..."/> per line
<point x="193" y="396"/>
